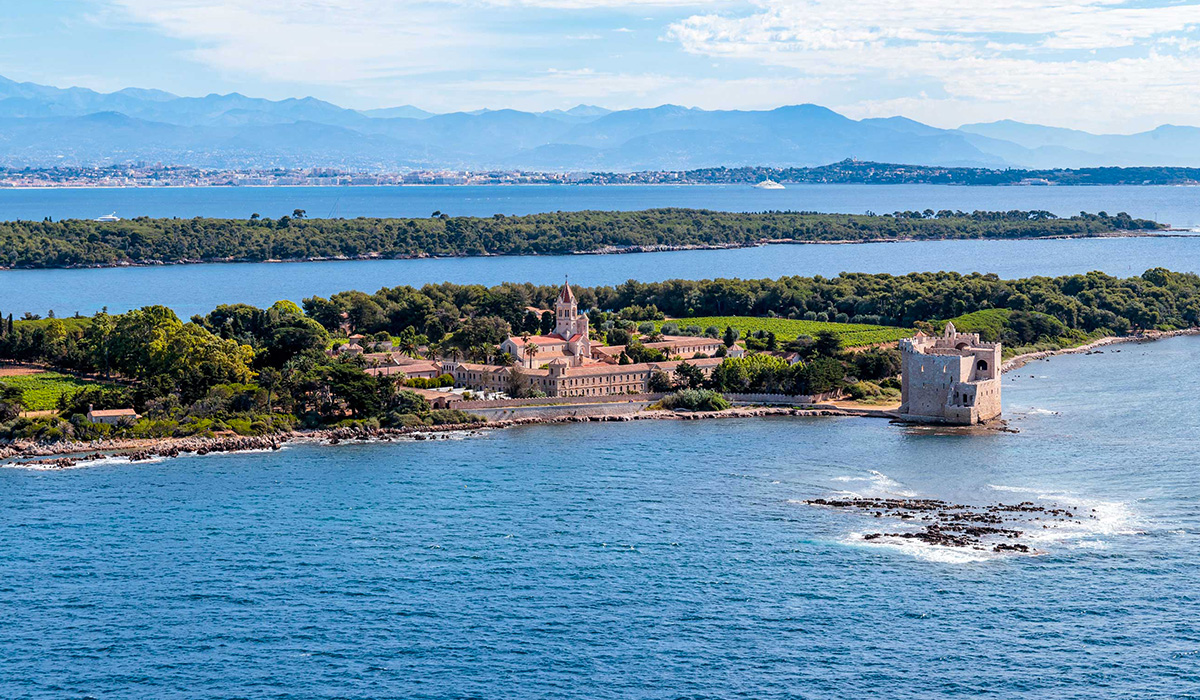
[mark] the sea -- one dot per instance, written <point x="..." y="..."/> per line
<point x="195" y="289"/>
<point x="655" y="559"/>
<point x="652" y="559"/>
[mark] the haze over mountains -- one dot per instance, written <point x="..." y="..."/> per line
<point x="45" y="126"/>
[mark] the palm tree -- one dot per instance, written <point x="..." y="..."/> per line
<point x="455" y="354"/>
<point x="408" y="345"/>
<point x="532" y="349"/>
<point x="433" y="351"/>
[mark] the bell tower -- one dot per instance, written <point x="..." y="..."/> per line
<point x="566" y="313"/>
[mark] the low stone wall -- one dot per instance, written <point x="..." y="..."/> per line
<point x="781" y="399"/>
<point x="574" y="410"/>
<point x="476" y="406"/>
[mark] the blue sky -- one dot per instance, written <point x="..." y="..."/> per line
<point x="1097" y="64"/>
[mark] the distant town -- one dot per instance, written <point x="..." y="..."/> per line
<point x="848" y="171"/>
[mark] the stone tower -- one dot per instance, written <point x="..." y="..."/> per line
<point x="953" y="379"/>
<point x="568" y="322"/>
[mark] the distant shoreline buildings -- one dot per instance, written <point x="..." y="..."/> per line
<point x="844" y="172"/>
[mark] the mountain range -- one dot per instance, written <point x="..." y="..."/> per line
<point x="42" y="126"/>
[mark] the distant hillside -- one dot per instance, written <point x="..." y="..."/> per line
<point x="41" y="125"/>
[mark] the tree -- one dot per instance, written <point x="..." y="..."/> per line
<point x="730" y="337"/>
<point x="354" y="387"/>
<point x="828" y="344"/>
<point x="618" y="336"/>
<point x="12" y="402"/>
<point x="821" y="375"/>
<point x="485" y="330"/>
<point x="269" y="378"/>
<point x="532" y="350"/>
<point x="298" y="213"/>
<point x="689" y="376"/>
<point x="409" y="402"/>
<point x="659" y="382"/>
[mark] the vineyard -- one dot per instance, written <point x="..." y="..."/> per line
<point x="41" y="390"/>
<point x="785" y="329"/>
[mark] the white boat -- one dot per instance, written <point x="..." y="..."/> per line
<point x="769" y="185"/>
<point x="111" y="217"/>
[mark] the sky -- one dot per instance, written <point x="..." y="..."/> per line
<point x="1101" y="65"/>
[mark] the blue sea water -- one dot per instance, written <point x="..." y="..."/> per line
<point x="193" y="289"/>
<point x="199" y="288"/>
<point x="1179" y="206"/>
<point x="638" y="560"/>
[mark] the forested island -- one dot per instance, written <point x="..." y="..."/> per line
<point x="81" y="243"/>
<point x="254" y="371"/>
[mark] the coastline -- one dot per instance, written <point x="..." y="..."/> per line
<point x="1020" y="361"/>
<point x="72" y="454"/>
<point x="28" y="454"/>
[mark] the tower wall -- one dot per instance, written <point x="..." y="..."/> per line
<point x="954" y="378"/>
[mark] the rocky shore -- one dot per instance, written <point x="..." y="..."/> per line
<point x="1021" y="360"/>
<point x="72" y="454"/>
<point x="944" y="524"/>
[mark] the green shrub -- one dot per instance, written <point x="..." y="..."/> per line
<point x="695" y="400"/>
<point x="862" y="390"/>
<point x="452" y="416"/>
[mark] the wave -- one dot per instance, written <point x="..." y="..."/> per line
<point x="924" y="551"/>
<point x="1092" y="517"/>
<point x="880" y="484"/>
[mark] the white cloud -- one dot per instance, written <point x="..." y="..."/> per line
<point x="1037" y="56"/>
<point x="1070" y="61"/>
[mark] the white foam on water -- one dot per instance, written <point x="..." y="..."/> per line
<point x="1012" y="489"/>
<point x="1091" y="518"/>
<point x="923" y="550"/>
<point x="84" y="463"/>
<point x="880" y="485"/>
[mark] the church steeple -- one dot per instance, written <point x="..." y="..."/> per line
<point x="565" y="295"/>
<point x="566" y="313"/>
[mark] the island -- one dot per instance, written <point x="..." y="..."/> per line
<point x="405" y="360"/>
<point x="145" y="241"/>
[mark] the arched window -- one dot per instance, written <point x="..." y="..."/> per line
<point x="981" y="365"/>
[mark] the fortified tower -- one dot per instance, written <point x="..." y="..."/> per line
<point x="952" y="379"/>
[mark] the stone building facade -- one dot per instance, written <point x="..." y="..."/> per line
<point x="559" y="378"/>
<point x="569" y="341"/>
<point x="954" y="378"/>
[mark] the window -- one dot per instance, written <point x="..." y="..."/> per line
<point x="982" y="366"/>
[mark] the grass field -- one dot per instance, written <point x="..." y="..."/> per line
<point x="851" y="334"/>
<point x="43" y="389"/>
<point x="69" y="322"/>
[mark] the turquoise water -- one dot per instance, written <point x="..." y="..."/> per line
<point x="648" y="560"/>
<point x="192" y="289"/>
